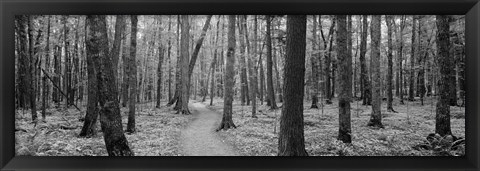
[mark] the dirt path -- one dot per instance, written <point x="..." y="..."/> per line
<point x="200" y="138"/>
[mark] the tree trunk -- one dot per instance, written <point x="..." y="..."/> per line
<point x="344" y="81"/>
<point x="400" y="58"/>
<point x="227" y="121"/>
<point x="132" y="62"/>
<point x="291" y="141"/>
<point x="389" y="20"/>
<point x="119" y="29"/>
<point x="169" y="59"/>
<point x="23" y="60"/>
<point x="243" y="66"/>
<point x="89" y="124"/>
<point x="412" y="61"/>
<point x="270" y="92"/>
<point x="445" y="63"/>
<point x="44" y="79"/>
<point x="212" y="83"/>
<point x="376" y="116"/>
<point x="111" y="121"/>
<point x="328" y="65"/>
<point x="159" y="74"/>
<point x="251" y="72"/>
<point x="314" y="60"/>
<point x="31" y="74"/>
<point x="364" y="82"/>
<point x="184" y="68"/>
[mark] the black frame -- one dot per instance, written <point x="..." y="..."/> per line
<point x="9" y="8"/>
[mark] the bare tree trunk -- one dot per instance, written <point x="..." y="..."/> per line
<point x="242" y="66"/>
<point x="184" y="68"/>
<point x="271" y="94"/>
<point x="376" y="116"/>
<point x="212" y="84"/>
<point x="169" y="60"/>
<point x="133" y="75"/>
<point x="291" y="141"/>
<point x="344" y="81"/>
<point x="31" y="74"/>
<point x="389" y="20"/>
<point x="119" y="29"/>
<point x="364" y="82"/>
<point x="44" y="79"/>
<point x="227" y="121"/>
<point x="400" y="58"/>
<point x="412" y="61"/>
<point x="111" y="121"/>
<point x="251" y="70"/>
<point x="445" y="63"/>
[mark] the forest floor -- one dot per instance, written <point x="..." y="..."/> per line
<point x="403" y="130"/>
<point x="158" y="133"/>
<point x="161" y="132"/>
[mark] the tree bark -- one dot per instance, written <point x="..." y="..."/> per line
<point x="445" y="63"/>
<point x="376" y="116"/>
<point x="132" y="62"/>
<point x="119" y="29"/>
<point x="251" y="71"/>
<point x="111" y="121"/>
<point x="31" y="74"/>
<point x="270" y="92"/>
<point x="44" y="79"/>
<point x="344" y="81"/>
<point x="412" y="62"/>
<point x="291" y="140"/>
<point x="389" y="20"/>
<point x="214" y="61"/>
<point x="364" y="82"/>
<point x="227" y="121"/>
<point x="243" y="66"/>
<point x="400" y="58"/>
<point x="184" y="68"/>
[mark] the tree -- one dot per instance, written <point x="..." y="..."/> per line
<point x="244" y="93"/>
<point x="400" y="59"/>
<point x="314" y="61"/>
<point x="31" y="73"/>
<point x="214" y="61"/>
<point x="227" y="121"/>
<point x="184" y="68"/>
<point x="110" y="119"/>
<point x="132" y="68"/>
<point x="251" y="72"/>
<point x="119" y="29"/>
<point x="270" y="92"/>
<point x="364" y="82"/>
<point x="376" y="116"/>
<point x="291" y="141"/>
<point x="389" y="20"/>
<point x="445" y="63"/>
<point x="412" y="62"/>
<point x="344" y="81"/>
<point x="44" y="79"/>
<point x="161" y="53"/>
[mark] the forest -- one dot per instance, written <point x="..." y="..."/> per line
<point x="240" y="85"/>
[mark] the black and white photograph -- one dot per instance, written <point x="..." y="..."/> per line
<point x="240" y="85"/>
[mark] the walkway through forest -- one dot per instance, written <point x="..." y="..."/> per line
<point x="200" y="139"/>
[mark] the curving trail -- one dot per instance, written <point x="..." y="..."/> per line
<point x="200" y="138"/>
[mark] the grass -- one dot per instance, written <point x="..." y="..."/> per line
<point x="403" y="130"/>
